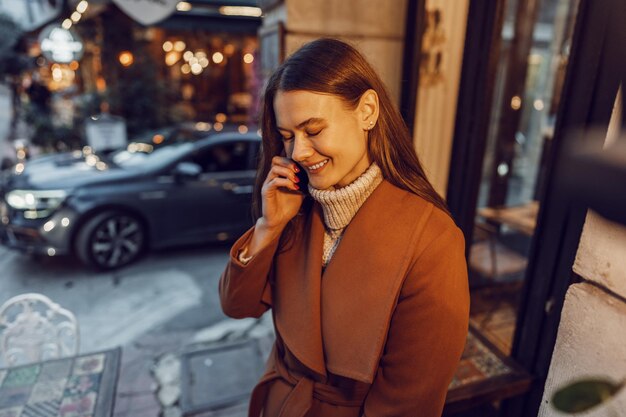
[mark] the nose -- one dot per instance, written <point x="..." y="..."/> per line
<point x="302" y="149"/>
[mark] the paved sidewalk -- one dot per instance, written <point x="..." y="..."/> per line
<point x="149" y="384"/>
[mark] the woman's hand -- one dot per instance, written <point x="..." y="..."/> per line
<point x="281" y="201"/>
<point x="280" y="194"/>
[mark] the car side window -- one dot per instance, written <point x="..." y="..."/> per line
<point x="255" y="155"/>
<point x="224" y="157"/>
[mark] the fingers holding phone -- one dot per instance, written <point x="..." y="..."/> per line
<point x="303" y="179"/>
<point x="281" y="192"/>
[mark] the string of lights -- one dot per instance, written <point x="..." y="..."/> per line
<point x="76" y="15"/>
<point x="196" y="62"/>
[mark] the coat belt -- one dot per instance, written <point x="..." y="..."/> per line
<point x="300" y="400"/>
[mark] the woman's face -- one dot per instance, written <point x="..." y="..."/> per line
<point x="323" y="135"/>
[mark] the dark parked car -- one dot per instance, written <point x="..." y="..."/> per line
<point x="107" y="209"/>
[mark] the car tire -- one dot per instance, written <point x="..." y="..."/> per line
<point x="110" y="240"/>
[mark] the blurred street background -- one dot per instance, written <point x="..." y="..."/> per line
<point x="129" y="141"/>
<point x="154" y="307"/>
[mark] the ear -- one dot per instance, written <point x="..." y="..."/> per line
<point x="368" y="109"/>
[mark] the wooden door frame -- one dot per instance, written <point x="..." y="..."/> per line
<point x="480" y="62"/>
<point x="415" y="25"/>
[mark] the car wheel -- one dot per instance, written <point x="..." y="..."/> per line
<point x="110" y="240"/>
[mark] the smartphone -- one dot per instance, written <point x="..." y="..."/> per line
<point x="304" y="179"/>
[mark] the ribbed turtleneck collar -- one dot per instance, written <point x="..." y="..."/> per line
<point x="341" y="204"/>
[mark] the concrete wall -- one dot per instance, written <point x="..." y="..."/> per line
<point x="591" y="340"/>
<point x="590" y="344"/>
<point x="375" y="28"/>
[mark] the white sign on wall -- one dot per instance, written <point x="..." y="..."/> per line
<point x="31" y="14"/>
<point x="147" y="12"/>
<point x="106" y="132"/>
<point x="60" y="45"/>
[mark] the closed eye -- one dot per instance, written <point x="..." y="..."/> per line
<point x="314" y="133"/>
<point x="283" y="137"/>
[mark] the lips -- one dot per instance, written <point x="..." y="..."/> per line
<point x="318" y="166"/>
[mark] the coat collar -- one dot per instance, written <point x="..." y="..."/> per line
<point x="339" y="322"/>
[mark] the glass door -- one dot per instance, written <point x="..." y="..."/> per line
<point x="534" y="49"/>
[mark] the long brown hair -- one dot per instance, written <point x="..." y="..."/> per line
<point x="329" y="66"/>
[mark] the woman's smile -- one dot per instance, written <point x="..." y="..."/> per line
<point x="318" y="129"/>
<point x="316" y="168"/>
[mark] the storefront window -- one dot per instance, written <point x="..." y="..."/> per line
<point x="526" y="96"/>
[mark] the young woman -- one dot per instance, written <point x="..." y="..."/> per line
<point x="364" y="269"/>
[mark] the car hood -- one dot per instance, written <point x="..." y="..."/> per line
<point x="67" y="170"/>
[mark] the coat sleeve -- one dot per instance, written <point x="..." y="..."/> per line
<point x="245" y="290"/>
<point x="427" y="333"/>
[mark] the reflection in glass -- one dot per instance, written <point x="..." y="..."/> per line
<point x="527" y="89"/>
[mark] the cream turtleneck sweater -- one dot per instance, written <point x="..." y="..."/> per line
<point x="340" y="205"/>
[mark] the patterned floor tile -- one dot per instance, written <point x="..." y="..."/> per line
<point x="471" y="348"/>
<point x="491" y="365"/>
<point x="89" y="365"/>
<point x="78" y="406"/>
<point x="57" y="388"/>
<point x="81" y="384"/>
<point x="466" y="372"/>
<point x="56" y="370"/>
<point x="48" y="391"/>
<point x="42" y="409"/>
<point x="477" y="363"/>
<point x="23" y="376"/>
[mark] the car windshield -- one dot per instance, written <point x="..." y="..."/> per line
<point x="143" y="154"/>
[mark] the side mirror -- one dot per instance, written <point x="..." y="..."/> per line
<point x="187" y="171"/>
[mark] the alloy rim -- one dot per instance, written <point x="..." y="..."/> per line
<point x="116" y="241"/>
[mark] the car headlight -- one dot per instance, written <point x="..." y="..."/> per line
<point x="37" y="200"/>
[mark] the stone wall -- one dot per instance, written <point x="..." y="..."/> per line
<point x="591" y="340"/>
<point x="375" y="28"/>
<point x="592" y="334"/>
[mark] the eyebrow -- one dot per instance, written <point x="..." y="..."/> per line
<point x="307" y="122"/>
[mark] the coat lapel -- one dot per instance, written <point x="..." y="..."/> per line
<point x="298" y="289"/>
<point x="363" y="280"/>
<point x="339" y="322"/>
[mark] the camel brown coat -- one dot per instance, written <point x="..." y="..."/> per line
<point x="379" y="332"/>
